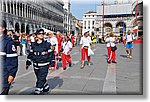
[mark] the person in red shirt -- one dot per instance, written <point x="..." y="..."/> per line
<point x="60" y="40"/>
<point x="73" y="40"/>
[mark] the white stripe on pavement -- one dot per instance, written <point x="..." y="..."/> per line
<point x="23" y="90"/>
<point x="109" y="86"/>
<point x="23" y="75"/>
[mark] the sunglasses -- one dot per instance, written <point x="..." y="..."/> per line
<point x="40" y="33"/>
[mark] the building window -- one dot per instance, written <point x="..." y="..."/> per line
<point x="12" y="7"/>
<point x="8" y="6"/>
<point x="4" y="7"/>
<point x="88" y="23"/>
<point x="18" y="9"/>
<point x="84" y="24"/>
<point x="26" y="11"/>
<point x="15" y="8"/>
<point x="93" y="23"/>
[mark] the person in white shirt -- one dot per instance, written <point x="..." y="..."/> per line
<point x="129" y="44"/>
<point x="67" y="48"/>
<point x="53" y="41"/>
<point x="110" y="40"/>
<point x="85" y="43"/>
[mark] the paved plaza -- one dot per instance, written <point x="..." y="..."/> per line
<point x="125" y="77"/>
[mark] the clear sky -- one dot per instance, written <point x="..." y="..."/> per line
<point x="79" y="7"/>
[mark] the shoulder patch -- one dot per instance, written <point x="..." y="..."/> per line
<point x="13" y="48"/>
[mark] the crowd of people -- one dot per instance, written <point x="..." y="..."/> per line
<point x="45" y="48"/>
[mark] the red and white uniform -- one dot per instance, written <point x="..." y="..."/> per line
<point x="53" y="41"/>
<point x="110" y="43"/>
<point x="59" y="40"/>
<point x="73" y="40"/>
<point x="85" y="41"/>
<point x="66" y="53"/>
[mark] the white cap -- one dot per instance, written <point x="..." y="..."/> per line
<point x="87" y="30"/>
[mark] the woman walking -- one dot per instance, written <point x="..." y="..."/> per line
<point x="85" y="43"/>
<point x="111" y="48"/>
<point x="67" y="48"/>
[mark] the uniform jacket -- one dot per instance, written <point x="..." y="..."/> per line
<point x="8" y="58"/>
<point x="41" y="54"/>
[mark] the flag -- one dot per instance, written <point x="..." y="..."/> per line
<point x="135" y="29"/>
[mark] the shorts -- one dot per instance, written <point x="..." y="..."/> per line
<point x="129" y="46"/>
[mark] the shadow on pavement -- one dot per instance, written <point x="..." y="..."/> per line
<point x="124" y="56"/>
<point x="55" y="82"/>
<point x="86" y="63"/>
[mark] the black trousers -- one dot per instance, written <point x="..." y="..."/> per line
<point x="41" y="74"/>
<point x="5" y="84"/>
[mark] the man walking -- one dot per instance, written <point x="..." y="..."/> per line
<point x="129" y="44"/>
<point x="8" y="60"/>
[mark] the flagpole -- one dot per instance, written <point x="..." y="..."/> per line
<point x="136" y="16"/>
<point x="103" y="19"/>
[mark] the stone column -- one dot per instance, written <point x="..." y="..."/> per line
<point x="10" y="6"/>
<point x="1" y="5"/>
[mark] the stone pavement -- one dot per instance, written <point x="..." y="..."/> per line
<point x="125" y="77"/>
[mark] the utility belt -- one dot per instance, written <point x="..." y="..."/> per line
<point x="37" y="65"/>
<point x="85" y="47"/>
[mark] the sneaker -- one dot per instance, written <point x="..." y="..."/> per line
<point x="89" y="64"/>
<point x="114" y="62"/>
<point x="46" y="87"/>
<point x="69" y="65"/>
<point x="130" y="57"/>
<point x="108" y="62"/>
<point x="45" y="90"/>
<point x="82" y="66"/>
<point x="38" y="91"/>
<point x="64" y="68"/>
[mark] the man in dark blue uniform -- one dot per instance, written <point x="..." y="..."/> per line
<point x="42" y="56"/>
<point x="8" y="59"/>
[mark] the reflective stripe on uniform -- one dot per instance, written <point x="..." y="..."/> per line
<point x="2" y="53"/>
<point x="12" y="55"/>
<point x="29" y="60"/>
<point x="41" y="64"/>
<point x="31" y="50"/>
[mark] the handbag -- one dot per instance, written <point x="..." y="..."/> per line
<point x="64" y="47"/>
<point x="86" y="47"/>
<point x="90" y="52"/>
<point x="114" y="48"/>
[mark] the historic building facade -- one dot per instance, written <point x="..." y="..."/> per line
<point x="89" y="20"/>
<point x="117" y="18"/>
<point x="138" y="18"/>
<point x="67" y="17"/>
<point x="29" y="15"/>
